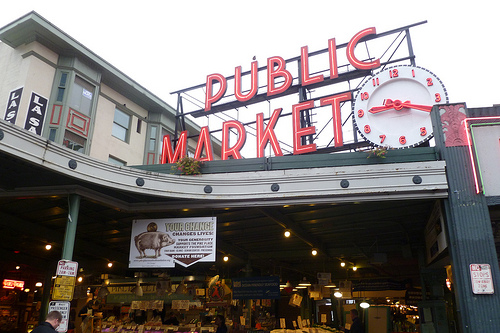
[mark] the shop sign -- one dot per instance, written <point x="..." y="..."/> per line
<point x="12" y="284"/>
<point x="36" y="113"/>
<point x="67" y="268"/>
<point x="13" y="105"/>
<point x="265" y="287"/>
<point x="482" y="281"/>
<point x="63" y="308"/>
<point x="164" y="242"/>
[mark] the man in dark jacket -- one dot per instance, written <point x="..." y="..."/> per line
<point x="53" y="321"/>
<point x="357" y="325"/>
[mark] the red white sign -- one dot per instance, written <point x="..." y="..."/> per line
<point x="67" y="268"/>
<point x="11" y="284"/>
<point x="482" y="281"/>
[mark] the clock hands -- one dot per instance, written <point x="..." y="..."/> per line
<point x="398" y="105"/>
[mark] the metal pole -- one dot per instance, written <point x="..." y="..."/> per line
<point x="69" y="236"/>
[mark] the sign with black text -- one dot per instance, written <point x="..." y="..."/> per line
<point x="63" y="308"/>
<point x="164" y="242"/>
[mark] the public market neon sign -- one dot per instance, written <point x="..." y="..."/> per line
<point x="276" y="69"/>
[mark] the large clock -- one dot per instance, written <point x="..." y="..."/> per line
<point x="392" y="108"/>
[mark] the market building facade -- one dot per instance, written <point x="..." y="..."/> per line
<point x="410" y="219"/>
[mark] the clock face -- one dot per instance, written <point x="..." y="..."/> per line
<point x="392" y="108"/>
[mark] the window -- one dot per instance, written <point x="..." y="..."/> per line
<point x="121" y="125"/>
<point x="152" y="138"/>
<point x="52" y="134"/>
<point x="117" y="161"/>
<point x="139" y="126"/>
<point x="74" y="142"/>
<point x="62" y="87"/>
<point x="82" y="93"/>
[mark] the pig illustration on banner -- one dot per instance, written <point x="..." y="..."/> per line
<point x="152" y="240"/>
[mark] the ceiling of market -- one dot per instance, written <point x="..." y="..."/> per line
<point x="383" y="239"/>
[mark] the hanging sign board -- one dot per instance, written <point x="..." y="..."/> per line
<point x="481" y="279"/>
<point x="264" y="287"/>
<point x="63" y="308"/>
<point x="13" y="105"/>
<point x="164" y="242"/>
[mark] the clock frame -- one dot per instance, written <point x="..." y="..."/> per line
<point x="392" y="108"/>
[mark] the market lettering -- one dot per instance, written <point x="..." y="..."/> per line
<point x="276" y="69"/>
<point x="279" y="79"/>
<point x="265" y="135"/>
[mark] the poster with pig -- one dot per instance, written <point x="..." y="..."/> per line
<point x="160" y="243"/>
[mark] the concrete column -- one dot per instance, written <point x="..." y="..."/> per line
<point x="70" y="235"/>
<point x="468" y="223"/>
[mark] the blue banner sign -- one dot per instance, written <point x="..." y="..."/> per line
<point x="265" y="287"/>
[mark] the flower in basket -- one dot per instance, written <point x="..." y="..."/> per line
<point x="188" y="166"/>
<point x="379" y="152"/>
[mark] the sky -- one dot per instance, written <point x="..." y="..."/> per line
<point x="171" y="45"/>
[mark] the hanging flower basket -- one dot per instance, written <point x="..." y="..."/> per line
<point x="378" y="152"/>
<point x="188" y="166"/>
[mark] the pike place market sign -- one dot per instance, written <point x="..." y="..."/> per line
<point x="279" y="80"/>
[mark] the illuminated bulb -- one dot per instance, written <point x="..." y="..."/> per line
<point x="27" y="290"/>
<point x="38" y="284"/>
<point x="364" y="305"/>
<point x="48" y="247"/>
<point x="337" y="294"/>
<point x="80" y="279"/>
<point x="342" y="264"/>
<point x="287" y="233"/>
<point x="314" y="252"/>
<point x="18" y="267"/>
<point x="226" y="258"/>
<point x="110" y="264"/>
<point x="355" y="268"/>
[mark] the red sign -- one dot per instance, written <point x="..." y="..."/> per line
<point x="481" y="278"/>
<point x="67" y="268"/>
<point x="11" y="284"/>
<point x="279" y="79"/>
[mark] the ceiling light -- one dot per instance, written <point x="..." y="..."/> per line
<point x="226" y="258"/>
<point x="300" y="287"/>
<point x="364" y="305"/>
<point x="137" y="290"/>
<point x="18" y="267"/>
<point x="354" y="268"/>
<point x="110" y="264"/>
<point x="337" y="294"/>
<point x="331" y="285"/>
<point x="304" y="283"/>
<point x="103" y="291"/>
<point x="48" y="247"/>
<point x="181" y="288"/>
<point x="342" y="264"/>
<point x="80" y="279"/>
<point x="287" y="233"/>
<point x="38" y="284"/>
<point x="314" y="252"/>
